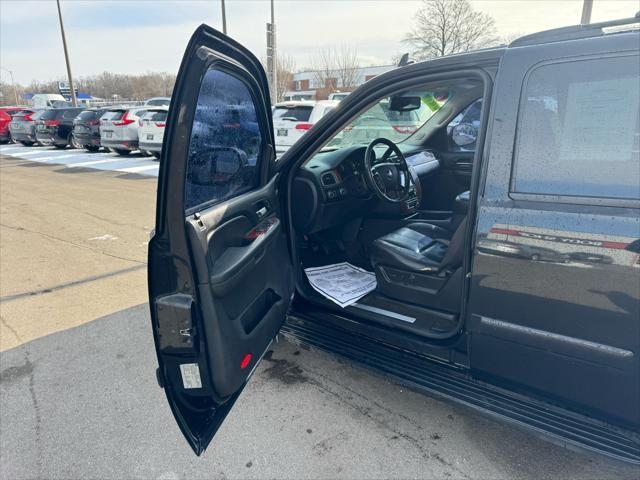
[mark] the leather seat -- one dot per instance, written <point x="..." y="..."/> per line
<point x="420" y="247"/>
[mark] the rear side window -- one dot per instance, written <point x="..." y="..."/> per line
<point x="579" y="130"/>
<point x="294" y="114"/>
<point x="225" y="142"/>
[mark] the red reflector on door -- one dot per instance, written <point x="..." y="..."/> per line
<point x="245" y="361"/>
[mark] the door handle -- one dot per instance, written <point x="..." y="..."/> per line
<point x="261" y="212"/>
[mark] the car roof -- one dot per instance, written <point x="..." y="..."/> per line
<point x="327" y="103"/>
<point x="576" y="32"/>
<point x="157" y="108"/>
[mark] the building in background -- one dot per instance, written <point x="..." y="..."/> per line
<point x="316" y="85"/>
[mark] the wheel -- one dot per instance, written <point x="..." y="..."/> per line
<point x="26" y="143"/>
<point x="122" y="152"/>
<point x="92" y="148"/>
<point x="74" y="143"/>
<point x="156" y="155"/>
<point x="535" y="257"/>
<point x="60" y="147"/>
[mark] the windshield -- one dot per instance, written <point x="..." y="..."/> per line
<point x="157" y="102"/>
<point x="395" y="119"/>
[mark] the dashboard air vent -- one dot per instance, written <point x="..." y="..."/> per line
<point x="328" y="179"/>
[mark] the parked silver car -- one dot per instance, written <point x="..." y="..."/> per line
<point x="119" y="129"/>
<point x="23" y="126"/>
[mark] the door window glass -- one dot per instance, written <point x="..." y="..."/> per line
<point x="225" y="142"/>
<point x="579" y="130"/>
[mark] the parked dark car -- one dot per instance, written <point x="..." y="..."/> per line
<point x="23" y="126"/>
<point x="55" y="127"/>
<point x="5" y="119"/>
<point x="552" y="346"/>
<point x="86" y="128"/>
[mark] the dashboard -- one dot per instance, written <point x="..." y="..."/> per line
<point x="331" y="188"/>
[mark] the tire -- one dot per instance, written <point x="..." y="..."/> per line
<point x="122" y="152"/>
<point x="27" y="143"/>
<point x="535" y="257"/>
<point x="156" y="155"/>
<point x="60" y="147"/>
<point x="92" y="148"/>
<point x="74" y="143"/>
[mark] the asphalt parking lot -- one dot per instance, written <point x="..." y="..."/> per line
<point x="78" y="396"/>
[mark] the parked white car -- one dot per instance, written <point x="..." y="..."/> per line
<point x="119" y="129"/>
<point x="151" y="130"/>
<point x="291" y="120"/>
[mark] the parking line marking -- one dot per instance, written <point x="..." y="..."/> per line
<point x="75" y="158"/>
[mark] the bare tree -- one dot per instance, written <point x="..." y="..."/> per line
<point x="346" y="62"/>
<point x="335" y="67"/>
<point x="444" y="27"/>
<point x="104" y="85"/>
<point x="324" y="68"/>
<point x="286" y="67"/>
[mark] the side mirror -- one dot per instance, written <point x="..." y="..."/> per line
<point x="464" y="134"/>
<point x="399" y="103"/>
<point x="217" y="165"/>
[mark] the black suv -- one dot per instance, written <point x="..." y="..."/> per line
<point x="493" y="262"/>
<point x="55" y="127"/>
<point x="86" y="129"/>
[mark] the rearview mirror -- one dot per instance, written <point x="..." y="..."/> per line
<point x="464" y="134"/>
<point x="399" y="103"/>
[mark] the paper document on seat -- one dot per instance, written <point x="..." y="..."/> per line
<point x="342" y="283"/>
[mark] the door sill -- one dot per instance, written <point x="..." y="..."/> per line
<point x="453" y="383"/>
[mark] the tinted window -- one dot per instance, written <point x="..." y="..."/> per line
<point x="158" y="116"/>
<point x="115" y="115"/>
<point x="295" y="114"/>
<point x="225" y="142"/>
<point x="158" y="102"/>
<point x="88" y="115"/>
<point x="70" y="114"/>
<point x="579" y="129"/>
<point x="49" y="114"/>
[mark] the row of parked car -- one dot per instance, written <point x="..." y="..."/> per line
<point x="121" y="129"/>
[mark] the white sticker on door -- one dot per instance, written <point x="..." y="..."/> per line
<point x="190" y="375"/>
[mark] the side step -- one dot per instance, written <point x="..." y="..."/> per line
<point x="423" y="374"/>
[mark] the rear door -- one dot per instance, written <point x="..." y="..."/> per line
<point x="220" y="275"/>
<point x="555" y="296"/>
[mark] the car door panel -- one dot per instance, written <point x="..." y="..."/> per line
<point x="220" y="274"/>
<point x="245" y="283"/>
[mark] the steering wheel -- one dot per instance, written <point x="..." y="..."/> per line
<point x="389" y="177"/>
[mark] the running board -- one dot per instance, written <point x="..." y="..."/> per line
<point x="562" y="427"/>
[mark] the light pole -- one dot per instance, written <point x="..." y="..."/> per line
<point x="224" y="18"/>
<point x="274" y="68"/>
<point x="74" y="101"/>
<point x="13" y="84"/>
<point x="587" y="5"/>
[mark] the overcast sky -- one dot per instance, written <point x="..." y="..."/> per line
<point x="150" y="35"/>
